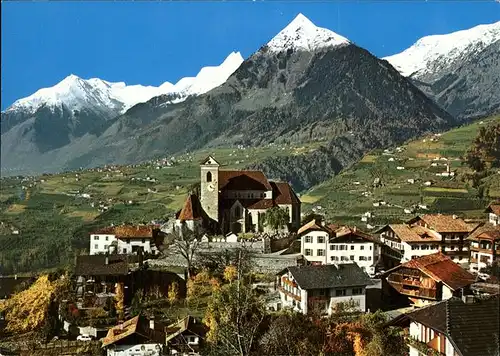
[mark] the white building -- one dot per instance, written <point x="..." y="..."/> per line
<point x="124" y="239"/>
<point x="323" y="288"/>
<point x="410" y="241"/>
<point x="494" y="214"/>
<point x="134" y="337"/>
<point x="457" y="326"/>
<point x="333" y="245"/>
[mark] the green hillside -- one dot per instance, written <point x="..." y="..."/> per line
<point x="352" y="193"/>
<point x="54" y="223"/>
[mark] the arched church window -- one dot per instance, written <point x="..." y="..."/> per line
<point x="209" y="176"/>
<point x="237" y="211"/>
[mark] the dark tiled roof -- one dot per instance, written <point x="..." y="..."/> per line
<point x="11" y="285"/>
<point x="472" y="327"/>
<point x="259" y="204"/>
<point x="284" y="194"/>
<point x="487" y="231"/>
<point x="95" y="265"/>
<point x="243" y="180"/>
<point x="442" y="269"/>
<point x="189" y="323"/>
<point x="346" y="233"/>
<point x="329" y="276"/>
<point x="192" y="209"/>
<point x="139" y="326"/>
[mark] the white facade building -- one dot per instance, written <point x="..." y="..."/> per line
<point x="323" y="287"/>
<point x="494" y="214"/>
<point x="331" y="245"/>
<point x="124" y="240"/>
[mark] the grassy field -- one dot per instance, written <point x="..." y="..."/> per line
<point x="346" y="197"/>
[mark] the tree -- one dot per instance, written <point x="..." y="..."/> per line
<point x="276" y="218"/>
<point x="292" y="333"/>
<point x="216" y="262"/>
<point x="485" y="150"/>
<point x="119" y="300"/>
<point x="234" y="316"/>
<point x="173" y="293"/>
<point x="312" y="216"/>
<point x="184" y="243"/>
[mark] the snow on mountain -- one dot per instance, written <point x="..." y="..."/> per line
<point x="430" y="53"/>
<point x="302" y="34"/>
<point x="77" y="93"/>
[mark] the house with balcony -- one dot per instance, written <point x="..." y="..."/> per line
<point x="407" y="242"/>
<point x="126" y="239"/>
<point x="322" y="244"/>
<point x="493" y="211"/>
<point x="465" y="326"/>
<point x="453" y="232"/>
<point x="323" y="288"/>
<point x="484" y="247"/>
<point x="425" y="280"/>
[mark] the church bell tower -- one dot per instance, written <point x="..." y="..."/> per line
<point x="209" y="188"/>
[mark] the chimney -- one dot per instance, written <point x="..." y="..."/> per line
<point x="468" y="299"/>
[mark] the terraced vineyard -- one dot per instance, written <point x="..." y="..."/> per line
<point x="408" y="178"/>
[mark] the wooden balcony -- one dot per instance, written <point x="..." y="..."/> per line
<point x="421" y="292"/>
<point x="289" y="294"/>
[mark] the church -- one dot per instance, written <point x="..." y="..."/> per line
<point x="235" y="201"/>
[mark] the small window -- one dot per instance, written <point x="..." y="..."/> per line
<point x="143" y="241"/>
<point x="361" y="247"/>
<point x="340" y="293"/>
<point x="370" y="247"/>
<point x="332" y="247"/>
<point x="321" y="239"/>
<point x="209" y="176"/>
<point x="369" y="258"/>
<point x="321" y="252"/>
<point x="357" y="291"/>
<point x="351" y="258"/>
<point x="96" y="246"/>
<point x="352" y="247"/>
<point x="308" y="252"/>
<point x="124" y="250"/>
<point x="107" y="237"/>
<point x="308" y="239"/>
<point x="96" y="238"/>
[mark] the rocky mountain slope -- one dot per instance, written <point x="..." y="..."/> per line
<point x="56" y="117"/>
<point x="307" y="83"/>
<point x="460" y="70"/>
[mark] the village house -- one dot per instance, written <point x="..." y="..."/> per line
<point x="336" y="245"/>
<point x="236" y="200"/>
<point x="323" y="288"/>
<point x="453" y="232"/>
<point x="409" y="241"/>
<point x="136" y="336"/>
<point x="484" y="247"/>
<point x="493" y="211"/>
<point x="465" y="326"/>
<point x="185" y="337"/>
<point x="11" y="285"/>
<point x="428" y="234"/>
<point x="425" y="280"/>
<point x="125" y="239"/>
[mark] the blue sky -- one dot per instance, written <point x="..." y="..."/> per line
<point x="153" y="42"/>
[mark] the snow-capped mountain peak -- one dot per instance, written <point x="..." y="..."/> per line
<point x="77" y="93"/>
<point x="302" y="34"/>
<point x="430" y="52"/>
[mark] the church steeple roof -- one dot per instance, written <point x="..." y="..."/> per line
<point x="192" y="209"/>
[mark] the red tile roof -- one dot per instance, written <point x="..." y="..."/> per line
<point x="345" y="232"/>
<point x="313" y="225"/>
<point x="494" y="208"/>
<point x="284" y="194"/>
<point x="129" y="231"/>
<point x="243" y="180"/>
<point x="442" y="269"/>
<point x="416" y="233"/>
<point x="192" y="209"/>
<point x="443" y="223"/>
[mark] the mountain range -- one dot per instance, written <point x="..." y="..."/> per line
<point x="307" y="83"/>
